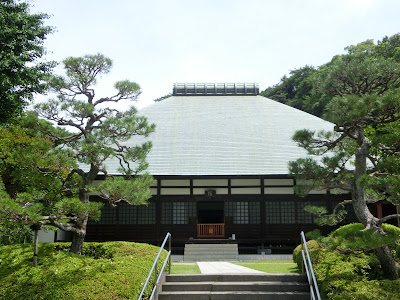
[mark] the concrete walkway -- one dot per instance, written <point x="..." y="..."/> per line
<point x="222" y="267"/>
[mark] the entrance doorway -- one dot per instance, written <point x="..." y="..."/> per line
<point x="210" y="219"/>
<point x="210" y="212"/>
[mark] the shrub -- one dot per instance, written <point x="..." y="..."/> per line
<point x="14" y="233"/>
<point x="354" y="237"/>
<point x="343" y="272"/>
<point x="298" y="258"/>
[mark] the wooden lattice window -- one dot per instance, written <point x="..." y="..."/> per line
<point x="280" y="212"/>
<point x="177" y="212"/>
<point x="303" y="217"/>
<point x="136" y="215"/>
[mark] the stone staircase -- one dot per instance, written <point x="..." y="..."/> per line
<point x="235" y="287"/>
<point x="211" y="252"/>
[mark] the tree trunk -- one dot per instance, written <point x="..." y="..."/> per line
<point x="78" y="236"/>
<point x="361" y="208"/>
<point x="77" y="241"/>
<point x="388" y="263"/>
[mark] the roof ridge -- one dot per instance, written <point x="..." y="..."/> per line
<point x="213" y="89"/>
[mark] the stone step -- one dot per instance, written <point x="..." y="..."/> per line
<point x="227" y="246"/>
<point x="267" y="277"/>
<point x="260" y="286"/>
<point x="212" y="257"/>
<point x="222" y="253"/>
<point x="211" y="252"/>
<point x="235" y="287"/>
<point x="235" y="295"/>
<point x="199" y="250"/>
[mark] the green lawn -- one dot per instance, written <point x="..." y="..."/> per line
<point x="185" y="268"/>
<point x="271" y="266"/>
<point x="267" y="266"/>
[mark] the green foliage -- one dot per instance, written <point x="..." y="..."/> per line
<point x="355" y="275"/>
<point x="389" y="48"/>
<point x="312" y="89"/>
<point x="32" y="170"/>
<point x="14" y="233"/>
<point x="82" y="72"/>
<point x="162" y="98"/>
<point x="133" y="190"/>
<point x="354" y="237"/>
<point x="294" y="89"/>
<point x="352" y="110"/>
<point x="22" y="73"/>
<point x="357" y="74"/>
<point x="113" y="270"/>
<point x="365" y="109"/>
<point x="362" y="154"/>
<point x="298" y="257"/>
<point x="99" y="133"/>
<point x="74" y="207"/>
<point x="128" y="89"/>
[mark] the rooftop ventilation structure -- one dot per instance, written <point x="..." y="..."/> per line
<point x="215" y="89"/>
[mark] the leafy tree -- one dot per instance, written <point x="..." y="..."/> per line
<point x="300" y="90"/>
<point x="21" y="47"/>
<point x="99" y="132"/>
<point x="31" y="177"/>
<point x="362" y="155"/>
<point x="389" y="48"/>
<point x="297" y="91"/>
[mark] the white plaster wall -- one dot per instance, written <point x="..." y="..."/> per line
<point x="210" y="182"/>
<point x="173" y="191"/>
<point x="202" y="191"/>
<point x="175" y="182"/>
<point x="251" y="191"/>
<point x="279" y="190"/>
<point x="46" y="236"/>
<point x="235" y="182"/>
<point x="274" y="182"/>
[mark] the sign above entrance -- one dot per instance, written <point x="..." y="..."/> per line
<point x="210" y="193"/>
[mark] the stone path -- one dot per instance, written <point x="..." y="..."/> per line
<point x="222" y="267"/>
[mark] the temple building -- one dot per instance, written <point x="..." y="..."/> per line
<point x="220" y="159"/>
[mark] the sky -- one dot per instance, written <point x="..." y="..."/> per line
<point x="157" y="43"/>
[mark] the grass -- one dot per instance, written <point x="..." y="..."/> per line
<point x="271" y="266"/>
<point x="185" y="268"/>
<point x="113" y="270"/>
<point x="267" y="266"/>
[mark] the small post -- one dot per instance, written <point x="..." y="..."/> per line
<point x="156" y="273"/>
<point x="35" y="247"/>
<point x="302" y="250"/>
<point x="35" y="228"/>
<point x="169" y="249"/>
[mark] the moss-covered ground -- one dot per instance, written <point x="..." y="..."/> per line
<point x="113" y="270"/>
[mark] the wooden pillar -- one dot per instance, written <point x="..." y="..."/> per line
<point x="379" y="210"/>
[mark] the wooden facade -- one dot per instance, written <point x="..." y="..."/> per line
<point x="254" y="210"/>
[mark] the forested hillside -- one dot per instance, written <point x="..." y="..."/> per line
<point x="301" y="88"/>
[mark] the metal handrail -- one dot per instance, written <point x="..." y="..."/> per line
<point x="154" y="268"/>
<point x="308" y="268"/>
